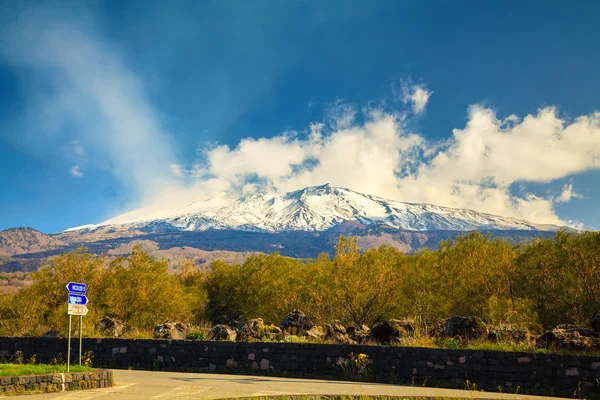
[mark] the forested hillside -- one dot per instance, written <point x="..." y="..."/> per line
<point x="536" y="285"/>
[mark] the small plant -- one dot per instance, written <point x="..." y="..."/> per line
<point x="472" y="386"/>
<point x="196" y="335"/>
<point x="355" y="366"/>
<point x="18" y="357"/>
<point x="32" y="359"/>
<point x="57" y="361"/>
<point x="448" y="343"/>
<point x="87" y="359"/>
<point x="155" y="365"/>
<point x="294" y="339"/>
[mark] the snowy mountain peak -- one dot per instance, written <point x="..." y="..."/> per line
<point x="313" y="208"/>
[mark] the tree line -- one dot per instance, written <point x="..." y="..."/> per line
<point x="536" y="285"/>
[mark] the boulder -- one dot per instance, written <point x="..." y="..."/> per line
<point x="461" y="328"/>
<point x="222" y="333"/>
<point x="507" y="333"/>
<point x="569" y="337"/>
<point x="110" y="327"/>
<point x="250" y="330"/>
<point x="337" y="333"/>
<point x="296" y="323"/>
<point x="392" y="330"/>
<point x="52" y="334"/>
<point x="171" y="330"/>
<point x="595" y="322"/>
<point x="255" y="330"/>
<point x="359" y="334"/>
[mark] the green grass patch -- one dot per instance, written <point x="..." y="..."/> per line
<point x="38" y="369"/>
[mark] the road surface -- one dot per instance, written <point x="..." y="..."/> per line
<point x="141" y="385"/>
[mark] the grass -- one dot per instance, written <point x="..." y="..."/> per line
<point x="37" y="369"/>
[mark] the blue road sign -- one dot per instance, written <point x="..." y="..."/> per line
<point x="78" y="299"/>
<point x="75" y="287"/>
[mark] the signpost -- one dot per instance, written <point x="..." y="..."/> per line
<point x="74" y="287"/>
<point x="77" y="301"/>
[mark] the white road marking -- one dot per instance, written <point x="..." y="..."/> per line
<point x="169" y="393"/>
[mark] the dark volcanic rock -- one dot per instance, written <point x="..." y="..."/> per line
<point x="461" y="327"/>
<point x="296" y="323"/>
<point x="52" y="333"/>
<point x="569" y="337"/>
<point x="110" y="327"/>
<point x="337" y="333"/>
<point x="392" y="330"/>
<point x="255" y="330"/>
<point x="507" y="333"/>
<point x="595" y="322"/>
<point x="222" y="333"/>
<point x="359" y="334"/>
<point x="171" y="330"/>
<point x="250" y="330"/>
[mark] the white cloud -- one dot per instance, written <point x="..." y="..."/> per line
<point x="567" y="194"/>
<point x="415" y="95"/>
<point x="177" y="170"/>
<point x="474" y="169"/>
<point x="75" y="171"/>
<point x="419" y="99"/>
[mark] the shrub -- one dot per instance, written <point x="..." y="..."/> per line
<point x="196" y="335"/>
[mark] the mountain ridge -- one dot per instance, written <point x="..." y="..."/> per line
<point x="314" y="208"/>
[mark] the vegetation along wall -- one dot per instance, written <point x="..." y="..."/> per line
<point x="489" y="370"/>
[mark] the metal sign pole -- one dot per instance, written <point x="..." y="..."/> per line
<point x="69" y="345"/>
<point x="80" y="324"/>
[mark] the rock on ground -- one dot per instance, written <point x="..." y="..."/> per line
<point x="569" y="337"/>
<point x="392" y="330"/>
<point x="171" y="330"/>
<point x="222" y="333"/>
<point x="595" y="322"/>
<point x="507" y="333"/>
<point x="359" y="334"/>
<point x="461" y="328"/>
<point x="296" y="323"/>
<point x="108" y="326"/>
<point x="256" y="330"/>
<point x="337" y="333"/>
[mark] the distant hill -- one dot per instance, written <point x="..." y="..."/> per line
<point x="301" y="224"/>
<point x="26" y="240"/>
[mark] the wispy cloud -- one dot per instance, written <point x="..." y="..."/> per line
<point x="88" y="88"/>
<point x="78" y="149"/>
<point x="76" y="171"/>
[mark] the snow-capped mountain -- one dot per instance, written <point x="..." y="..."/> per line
<point x="314" y="208"/>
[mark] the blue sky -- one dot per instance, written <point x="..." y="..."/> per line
<point x="489" y="105"/>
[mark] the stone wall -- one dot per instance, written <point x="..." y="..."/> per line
<point x="490" y="370"/>
<point x="56" y="382"/>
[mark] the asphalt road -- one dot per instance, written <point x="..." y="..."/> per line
<point x="138" y="385"/>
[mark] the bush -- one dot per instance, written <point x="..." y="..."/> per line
<point x="448" y="343"/>
<point x="196" y="335"/>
